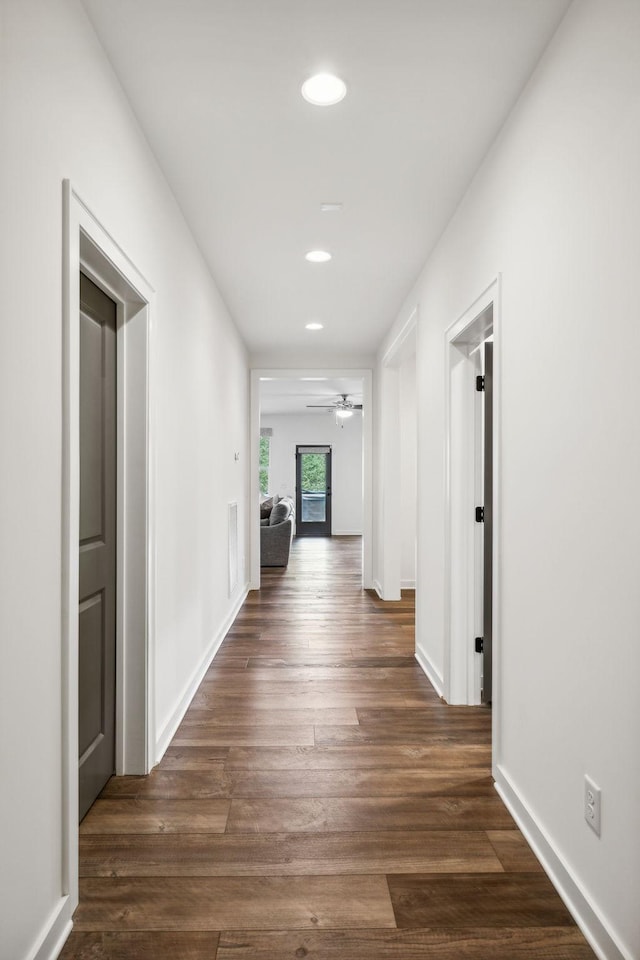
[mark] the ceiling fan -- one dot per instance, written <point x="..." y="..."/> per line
<point x="343" y="406"/>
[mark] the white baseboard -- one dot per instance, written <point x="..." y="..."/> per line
<point x="586" y="915"/>
<point x="404" y="585"/>
<point x="436" y="679"/>
<point x="174" y="721"/>
<point x="346" y="533"/>
<point x="54" y="935"/>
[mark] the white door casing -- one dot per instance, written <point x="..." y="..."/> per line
<point x="88" y="245"/>
<point x="462" y="558"/>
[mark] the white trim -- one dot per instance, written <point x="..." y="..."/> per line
<point x="191" y="687"/>
<point x="461" y="676"/>
<point x="346" y="533"/>
<point x="407" y="584"/>
<point x="367" y="478"/>
<point x="88" y="244"/>
<point x="434" y="676"/>
<point x="377" y="586"/>
<point x="366" y="376"/>
<point x="54" y="933"/>
<point x="395" y="355"/>
<point x="496" y="703"/>
<point x="389" y="559"/>
<point x="590" y="920"/>
<point x="391" y="507"/>
<point x="233" y="546"/>
<point x="254" y="480"/>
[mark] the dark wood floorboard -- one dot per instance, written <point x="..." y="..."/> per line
<point x="543" y="943"/>
<point x="227" y="903"/>
<point x="318" y="801"/>
<point x="367" y="814"/>
<point x="287" y="854"/>
<point x="143" y="945"/>
<point x="508" y="899"/>
<point x="476" y="759"/>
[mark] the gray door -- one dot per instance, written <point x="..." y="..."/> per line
<point x="487" y="611"/>
<point x="97" y="612"/>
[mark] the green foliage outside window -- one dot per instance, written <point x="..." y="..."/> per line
<point x="314" y="473"/>
<point x="264" y="464"/>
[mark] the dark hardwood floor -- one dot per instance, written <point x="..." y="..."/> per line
<point x="318" y="801"/>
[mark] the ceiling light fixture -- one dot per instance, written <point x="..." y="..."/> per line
<point x="331" y="208"/>
<point x="318" y="256"/>
<point x="314" y="326"/>
<point x="342" y="414"/>
<point x="308" y="379"/>
<point x="324" y="90"/>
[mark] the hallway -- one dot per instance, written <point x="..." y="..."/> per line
<point x="317" y="801"/>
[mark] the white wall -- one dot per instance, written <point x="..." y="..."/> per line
<point x="346" y="462"/>
<point x="62" y="114"/>
<point x="555" y="208"/>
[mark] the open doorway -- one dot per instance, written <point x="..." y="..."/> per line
<point x="328" y="410"/>
<point x="483" y="455"/>
<point x="472" y="496"/>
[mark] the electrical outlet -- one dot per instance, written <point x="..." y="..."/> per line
<point x="592" y="804"/>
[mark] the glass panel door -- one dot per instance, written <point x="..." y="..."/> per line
<point x="313" y="491"/>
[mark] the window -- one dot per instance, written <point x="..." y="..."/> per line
<point x="314" y="472"/>
<point x="265" y="443"/>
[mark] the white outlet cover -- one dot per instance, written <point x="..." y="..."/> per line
<point x="592" y="804"/>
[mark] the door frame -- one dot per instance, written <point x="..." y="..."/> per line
<point x="388" y="582"/>
<point x="328" y="492"/>
<point x="366" y="376"/>
<point x="461" y="673"/>
<point x="87" y="245"/>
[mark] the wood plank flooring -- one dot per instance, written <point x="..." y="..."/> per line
<point x="318" y="801"/>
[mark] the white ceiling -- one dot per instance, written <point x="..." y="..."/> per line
<point x="216" y="84"/>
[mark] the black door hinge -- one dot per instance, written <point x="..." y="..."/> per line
<point x="479" y="384"/>
<point x="479" y="514"/>
<point x="479" y="644"/>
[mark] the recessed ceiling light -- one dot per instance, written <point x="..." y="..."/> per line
<point x="323" y="90"/>
<point x="314" y="378"/>
<point x="314" y="326"/>
<point x="317" y="256"/>
<point x="331" y="207"/>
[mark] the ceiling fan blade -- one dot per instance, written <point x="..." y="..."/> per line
<point x="320" y="406"/>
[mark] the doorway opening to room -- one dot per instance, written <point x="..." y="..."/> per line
<point x="483" y="460"/>
<point x="312" y="447"/>
<point x="472" y="497"/>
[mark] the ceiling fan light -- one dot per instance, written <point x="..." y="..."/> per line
<point x="343" y="413"/>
